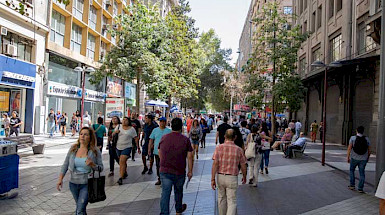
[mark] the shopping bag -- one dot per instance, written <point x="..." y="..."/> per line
<point x="96" y="185"/>
<point x="250" y="150"/>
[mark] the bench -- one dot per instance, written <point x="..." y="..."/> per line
<point x="24" y="141"/>
<point x="298" y="152"/>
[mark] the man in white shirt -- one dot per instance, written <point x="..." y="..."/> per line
<point x="298" y="127"/>
<point x="86" y="120"/>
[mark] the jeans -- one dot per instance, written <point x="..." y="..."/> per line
<point x="297" y="132"/>
<point x="113" y="157"/>
<point x="80" y="194"/>
<point x="168" y="181"/>
<point x="361" y="169"/>
<point x="290" y="149"/>
<point x="51" y="128"/>
<point x="157" y="162"/>
<point x="265" y="158"/>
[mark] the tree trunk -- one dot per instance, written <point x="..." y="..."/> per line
<point x="168" y="108"/>
<point x="138" y="73"/>
<point x="273" y="110"/>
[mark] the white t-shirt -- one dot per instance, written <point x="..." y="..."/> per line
<point x="125" y="138"/>
<point x="380" y="193"/>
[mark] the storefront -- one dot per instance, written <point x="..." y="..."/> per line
<point x="130" y="97"/>
<point x="17" y="86"/>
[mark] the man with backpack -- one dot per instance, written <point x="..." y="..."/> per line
<point x="359" y="156"/>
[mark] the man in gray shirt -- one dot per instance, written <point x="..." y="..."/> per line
<point x="359" y="156"/>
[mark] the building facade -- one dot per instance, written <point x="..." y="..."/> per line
<point x="345" y="32"/>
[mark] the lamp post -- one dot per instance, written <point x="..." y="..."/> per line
<point x="83" y="70"/>
<point x="320" y="64"/>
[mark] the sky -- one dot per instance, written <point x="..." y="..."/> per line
<point x="226" y="17"/>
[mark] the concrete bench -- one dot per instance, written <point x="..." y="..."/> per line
<point x="24" y="141"/>
<point x="298" y="152"/>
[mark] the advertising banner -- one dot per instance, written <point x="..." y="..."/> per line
<point x="114" y="87"/>
<point x="130" y="93"/>
<point x="114" y="107"/>
<point x="62" y="90"/>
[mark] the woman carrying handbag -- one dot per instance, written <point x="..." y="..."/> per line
<point x="253" y="147"/>
<point x="82" y="158"/>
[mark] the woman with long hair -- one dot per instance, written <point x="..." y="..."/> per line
<point x="115" y="122"/>
<point x="63" y="124"/>
<point x="205" y="130"/>
<point x="124" y="144"/>
<point x="254" y="163"/>
<point x="266" y="137"/>
<point x="82" y="158"/>
<point x="195" y="135"/>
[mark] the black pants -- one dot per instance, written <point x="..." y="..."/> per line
<point x="14" y="131"/>
<point x="157" y="161"/>
<point x="99" y="143"/>
<point x="113" y="157"/>
<point x="133" y="149"/>
<point x="290" y="148"/>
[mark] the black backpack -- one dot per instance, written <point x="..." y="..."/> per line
<point x="360" y="146"/>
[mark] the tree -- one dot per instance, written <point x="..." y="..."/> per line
<point x="141" y="51"/>
<point x="275" y="45"/>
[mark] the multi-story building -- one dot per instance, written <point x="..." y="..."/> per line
<point x="22" y="48"/>
<point x="346" y="32"/>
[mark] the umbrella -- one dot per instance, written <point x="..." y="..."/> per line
<point x="151" y="103"/>
<point x="156" y="103"/>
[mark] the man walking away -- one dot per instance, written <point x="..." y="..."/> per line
<point x="359" y="156"/>
<point x="221" y="130"/>
<point x="174" y="148"/>
<point x="298" y="127"/>
<point x="227" y="157"/>
<point x="155" y="138"/>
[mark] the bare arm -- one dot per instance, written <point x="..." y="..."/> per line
<point x="214" y="170"/>
<point x="216" y="138"/>
<point x="349" y="150"/>
<point x="190" y="164"/>
<point x="150" y="145"/>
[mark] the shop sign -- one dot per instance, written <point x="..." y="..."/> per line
<point x="114" y="107"/>
<point x="239" y="107"/>
<point x="114" y="87"/>
<point x="17" y="73"/>
<point x="92" y="95"/>
<point x="62" y="90"/>
<point x="130" y="93"/>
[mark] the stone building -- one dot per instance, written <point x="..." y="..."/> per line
<point x="346" y="32"/>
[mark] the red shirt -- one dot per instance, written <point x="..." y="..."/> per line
<point x="173" y="152"/>
<point x="229" y="156"/>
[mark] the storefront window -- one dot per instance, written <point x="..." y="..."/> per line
<point x="63" y="71"/>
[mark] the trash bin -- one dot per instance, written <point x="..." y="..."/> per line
<point x="9" y="173"/>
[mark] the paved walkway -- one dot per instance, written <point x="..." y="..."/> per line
<point x="293" y="186"/>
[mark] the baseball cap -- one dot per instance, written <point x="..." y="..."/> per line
<point x="162" y="119"/>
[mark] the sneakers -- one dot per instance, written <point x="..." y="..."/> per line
<point x="351" y="187"/>
<point x="150" y="171"/>
<point x="144" y="170"/>
<point x="361" y="191"/>
<point x="261" y="172"/>
<point x="251" y="181"/>
<point x="120" y="181"/>
<point x="158" y="182"/>
<point x="184" y="207"/>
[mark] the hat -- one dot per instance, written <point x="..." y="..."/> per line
<point x="162" y="119"/>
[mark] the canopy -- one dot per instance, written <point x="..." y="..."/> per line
<point x="156" y="103"/>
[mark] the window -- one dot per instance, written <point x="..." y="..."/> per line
<point x="61" y="4"/>
<point x="304" y="27"/>
<point x="287" y="10"/>
<point x="331" y="8"/>
<point x="76" y="38"/>
<point x="104" y="26"/>
<point x="23" y="45"/>
<point x="92" y="18"/>
<point x="304" y="4"/>
<point x="103" y="50"/>
<point x="302" y="65"/>
<point x="115" y="9"/>
<point x="339" y="5"/>
<point x="77" y="9"/>
<point x="300" y="6"/>
<point x="319" y="17"/>
<point x="313" y="19"/>
<point x="365" y="43"/>
<point x="91" y="47"/>
<point x="57" y="28"/>
<point x="316" y="55"/>
<point x="335" y="48"/>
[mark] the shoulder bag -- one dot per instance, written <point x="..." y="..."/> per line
<point x="96" y="185"/>
<point x="250" y="150"/>
<point x="115" y="138"/>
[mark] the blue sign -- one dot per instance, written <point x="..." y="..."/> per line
<point x="17" y="73"/>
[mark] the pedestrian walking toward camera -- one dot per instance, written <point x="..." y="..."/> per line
<point x="57" y="126"/>
<point x="74" y="122"/>
<point x="155" y="137"/>
<point x="195" y="135"/>
<point x="174" y="148"/>
<point x="51" y="122"/>
<point x="86" y="120"/>
<point x="6" y="124"/>
<point x="205" y="130"/>
<point x="15" y="123"/>
<point x="112" y="140"/>
<point x="358" y="155"/>
<point x="149" y="126"/>
<point x="63" y="124"/>
<point x="81" y="159"/>
<point x="126" y="134"/>
<point x="254" y="141"/>
<point x="100" y="132"/>
<point x="227" y="157"/>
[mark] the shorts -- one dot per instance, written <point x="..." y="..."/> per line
<point x="145" y="149"/>
<point x="195" y="142"/>
<point x="126" y="151"/>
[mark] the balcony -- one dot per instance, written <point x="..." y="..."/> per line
<point x="24" y="7"/>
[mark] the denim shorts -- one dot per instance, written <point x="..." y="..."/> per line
<point x="195" y="142"/>
<point x="126" y="151"/>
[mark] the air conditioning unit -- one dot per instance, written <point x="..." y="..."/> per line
<point x="11" y="50"/>
<point x="4" y="31"/>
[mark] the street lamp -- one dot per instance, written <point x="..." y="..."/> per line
<point x="83" y="70"/>
<point x="320" y="64"/>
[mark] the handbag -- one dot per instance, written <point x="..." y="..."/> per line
<point x="265" y="144"/>
<point x="250" y="150"/>
<point x="96" y="185"/>
<point x="115" y="138"/>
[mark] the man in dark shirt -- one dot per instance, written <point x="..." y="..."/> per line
<point x="221" y="130"/>
<point x="147" y="129"/>
<point x="15" y="123"/>
<point x="174" y="148"/>
<point x="138" y="128"/>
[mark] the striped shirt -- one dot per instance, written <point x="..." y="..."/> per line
<point x="229" y="156"/>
